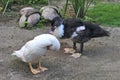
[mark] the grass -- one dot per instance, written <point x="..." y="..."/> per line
<point x="106" y="14"/>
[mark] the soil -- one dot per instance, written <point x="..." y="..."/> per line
<point x="100" y="61"/>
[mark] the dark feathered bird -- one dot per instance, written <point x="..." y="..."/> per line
<point x="78" y="31"/>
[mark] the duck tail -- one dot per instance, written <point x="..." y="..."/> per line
<point x="100" y="33"/>
<point x="96" y="30"/>
<point x="106" y="33"/>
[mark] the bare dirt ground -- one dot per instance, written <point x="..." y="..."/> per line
<point x="101" y="59"/>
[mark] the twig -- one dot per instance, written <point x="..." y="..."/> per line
<point x="6" y="7"/>
<point x="66" y="5"/>
<point x="49" y="2"/>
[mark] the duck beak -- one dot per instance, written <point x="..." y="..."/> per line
<point x="52" y="30"/>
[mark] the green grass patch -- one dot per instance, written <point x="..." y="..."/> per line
<point x="106" y="14"/>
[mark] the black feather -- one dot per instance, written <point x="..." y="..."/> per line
<point x="71" y="24"/>
<point x="96" y="30"/>
<point x="91" y="30"/>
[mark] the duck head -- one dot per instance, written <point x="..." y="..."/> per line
<point x="57" y="28"/>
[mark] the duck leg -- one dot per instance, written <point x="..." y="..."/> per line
<point x="74" y="45"/>
<point x="81" y="47"/>
<point x="71" y="50"/>
<point x="41" y="68"/>
<point x="34" y="71"/>
<point x="75" y="54"/>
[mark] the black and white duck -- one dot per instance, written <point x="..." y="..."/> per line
<point x="77" y="30"/>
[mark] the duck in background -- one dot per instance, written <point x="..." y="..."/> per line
<point x="78" y="31"/>
<point x="34" y="49"/>
<point x="29" y="16"/>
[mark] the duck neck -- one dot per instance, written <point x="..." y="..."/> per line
<point x="59" y="32"/>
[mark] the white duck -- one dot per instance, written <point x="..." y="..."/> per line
<point x="33" y="49"/>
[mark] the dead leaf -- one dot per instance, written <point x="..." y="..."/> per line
<point x="69" y="50"/>
<point x="76" y="55"/>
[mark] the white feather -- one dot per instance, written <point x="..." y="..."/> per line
<point x="80" y="28"/>
<point x="59" y="31"/>
<point x="74" y="35"/>
<point x="37" y="47"/>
